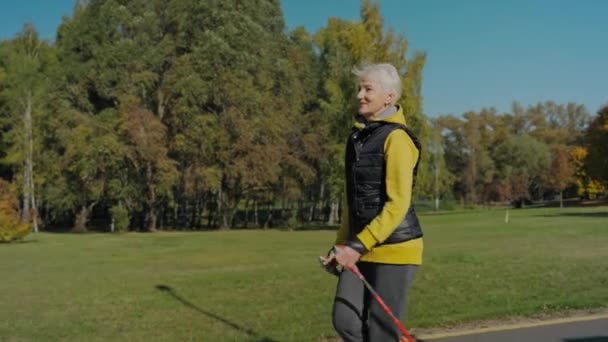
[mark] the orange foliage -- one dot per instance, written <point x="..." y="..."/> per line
<point x="10" y="227"/>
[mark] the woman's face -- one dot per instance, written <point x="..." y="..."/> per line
<point x="373" y="99"/>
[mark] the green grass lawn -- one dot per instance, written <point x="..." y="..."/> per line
<point x="267" y="285"/>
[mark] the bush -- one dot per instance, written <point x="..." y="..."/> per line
<point x="120" y="214"/>
<point x="10" y="227"/>
<point x="292" y="219"/>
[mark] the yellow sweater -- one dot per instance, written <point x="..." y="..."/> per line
<point x="400" y="156"/>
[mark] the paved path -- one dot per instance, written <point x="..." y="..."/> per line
<point x="580" y="329"/>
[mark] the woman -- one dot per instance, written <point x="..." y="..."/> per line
<point x="380" y="232"/>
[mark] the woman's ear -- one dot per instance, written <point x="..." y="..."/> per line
<point x="390" y="98"/>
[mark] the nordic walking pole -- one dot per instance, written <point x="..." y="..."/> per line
<point x="406" y="336"/>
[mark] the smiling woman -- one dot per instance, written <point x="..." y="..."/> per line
<point x="379" y="89"/>
<point x="380" y="232"/>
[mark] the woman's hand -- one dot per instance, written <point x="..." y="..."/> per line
<point x="330" y="264"/>
<point x="347" y="256"/>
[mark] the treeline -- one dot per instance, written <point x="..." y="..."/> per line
<point x="537" y="153"/>
<point x="188" y="114"/>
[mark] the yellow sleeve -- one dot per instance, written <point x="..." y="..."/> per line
<point x="342" y="235"/>
<point x="400" y="156"/>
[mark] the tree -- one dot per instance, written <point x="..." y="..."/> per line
<point x="118" y="58"/>
<point x="152" y="170"/>
<point x="467" y="143"/>
<point x="587" y="187"/>
<point x="92" y="160"/>
<point x="561" y="173"/>
<point x="10" y="226"/>
<point x="26" y="60"/>
<point x="521" y="162"/>
<point x="597" y="145"/>
<point x="557" y="124"/>
<point x="443" y="179"/>
<point x="249" y="81"/>
<point x="343" y="45"/>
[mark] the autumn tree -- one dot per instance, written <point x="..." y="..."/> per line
<point x="587" y="187"/>
<point x="597" y="145"/>
<point x="561" y="172"/>
<point x="11" y="227"/>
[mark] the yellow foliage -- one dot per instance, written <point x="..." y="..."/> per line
<point x="587" y="186"/>
<point x="590" y="188"/>
<point x="10" y="227"/>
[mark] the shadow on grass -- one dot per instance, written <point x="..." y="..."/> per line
<point x="588" y="339"/>
<point x="252" y="334"/>
<point x="18" y="242"/>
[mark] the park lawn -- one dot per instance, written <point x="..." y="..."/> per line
<point x="267" y="286"/>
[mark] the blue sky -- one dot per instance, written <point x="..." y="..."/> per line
<point x="479" y="53"/>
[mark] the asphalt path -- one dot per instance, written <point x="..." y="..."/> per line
<point x="579" y="329"/>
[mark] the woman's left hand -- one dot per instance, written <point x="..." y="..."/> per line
<point x="347" y="256"/>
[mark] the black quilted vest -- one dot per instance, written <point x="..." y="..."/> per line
<point x="366" y="180"/>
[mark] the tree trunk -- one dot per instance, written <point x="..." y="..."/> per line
<point x="226" y="218"/>
<point x="202" y="205"/>
<point x="229" y="213"/>
<point x="333" y="214"/>
<point x="320" y="200"/>
<point x="193" y="214"/>
<point x="152" y="219"/>
<point x="255" y="214"/>
<point x="80" y="224"/>
<point x="29" y="201"/>
<point x="270" y="212"/>
<point x="151" y="215"/>
<point x="161" y="102"/>
<point x="175" y="213"/>
<point x="247" y="206"/>
<point x="220" y="206"/>
<point x="311" y="211"/>
<point x="25" y="212"/>
<point x="561" y="199"/>
<point x="436" y="187"/>
<point x="161" y="217"/>
<point x="212" y="211"/>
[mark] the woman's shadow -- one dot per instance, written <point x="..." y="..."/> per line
<point x="252" y="334"/>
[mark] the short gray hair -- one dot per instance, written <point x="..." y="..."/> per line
<point x="385" y="74"/>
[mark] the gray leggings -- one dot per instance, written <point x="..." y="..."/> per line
<point x="357" y="317"/>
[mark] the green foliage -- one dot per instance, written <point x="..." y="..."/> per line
<point x="480" y="150"/>
<point x="522" y="162"/>
<point x="438" y="180"/>
<point x="292" y="219"/>
<point x="345" y="44"/>
<point x="120" y="215"/>
<point x="180" y="110"/>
